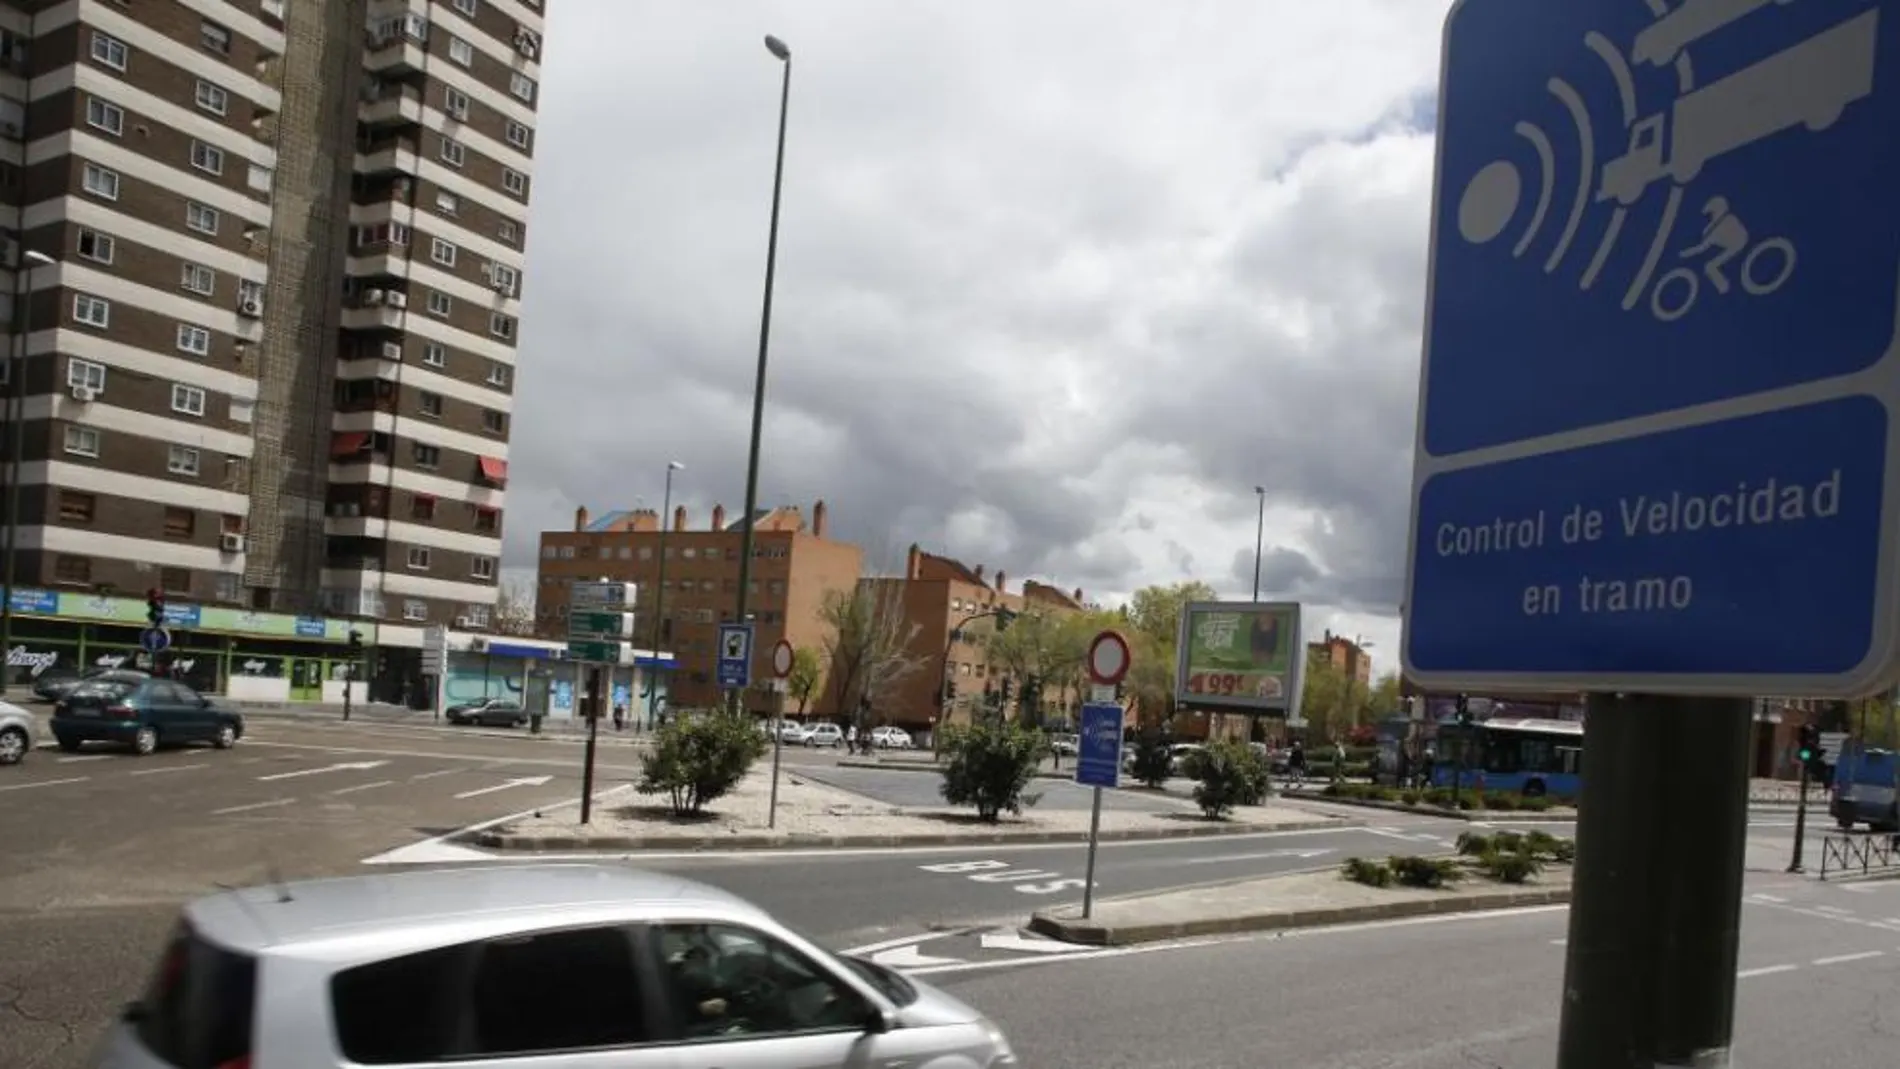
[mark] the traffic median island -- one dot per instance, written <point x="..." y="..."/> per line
<point x="815" y="815"/>
<point x="1299" y="900"/>
<point x="1439" y="802"/>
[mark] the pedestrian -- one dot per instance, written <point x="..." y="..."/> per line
<point x="1296" y="762"/>
<point x="1339" y="760"/>
<point x="620" y="716"/>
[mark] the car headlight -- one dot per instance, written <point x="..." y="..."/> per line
<point x="1002" y="1055"/>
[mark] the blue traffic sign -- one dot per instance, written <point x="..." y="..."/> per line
<point x="735" y="656"/>
<point x="155" y="639"/>
<point x="1660" y="356"/>
<point x="1098" y="761"/>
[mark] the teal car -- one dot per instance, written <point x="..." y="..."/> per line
<point x="136" y="710"/>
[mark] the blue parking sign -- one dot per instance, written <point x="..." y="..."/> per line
<point x="1098" y="761"/>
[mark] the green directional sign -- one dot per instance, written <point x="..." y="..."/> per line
<point x="592" y="623"/>
<point x="594" y="652"/>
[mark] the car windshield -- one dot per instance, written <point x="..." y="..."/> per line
<point x="889" y="984"/>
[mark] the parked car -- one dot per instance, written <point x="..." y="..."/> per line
<point x="890" y="737"/>
<point x="16" y="733"/>
<point x="1064" y="745"/>
<point x="589" y="965"/>
<point x="142" y="712"/>
<point x="497" y="712"/>
<point x="823" y="735"/>
<point x="790" y="733"/>
<point x="53" y="683"/>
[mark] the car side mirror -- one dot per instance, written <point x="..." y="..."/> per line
<point x="204" y="702"/>
<point x="877" y="1022"/>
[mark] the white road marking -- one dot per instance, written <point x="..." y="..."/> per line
<point x="1019" y="944"/>
<point x="525" y="781"/>
<point x="44" y="783"/>
<point x="1765" y="970"/>
<point x="1766" y="898"/>
<point x="438" y="772"/>
<point x="1842" y="959"/>
<point x="84" y="757"/>
<point x="435" y="756"/>
<point x="347" y="766"/>
<point x="442" y="848"/>
<point x="185" y="767"/>
<point x="891" y="944"/>
<point x="1258" y="856"/>
<point x="911" y="960"/>
<point x="363" y="787"/>
<point x="254" y="805"/>
<point x="1559" y="942"/>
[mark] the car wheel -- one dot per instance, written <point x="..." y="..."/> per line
<point x="145" y="741"/>
<point x="66" y="744"/>
<point x="225" y="738"/>
<point x="13" y="746"/>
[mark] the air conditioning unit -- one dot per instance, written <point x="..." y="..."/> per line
<point x="392" y="350"/>
<point x="231" y="542"/>
<point x="527" y="43"/>
<point x="85" y="395"/>
<point x="374" y="296"/>
<point x="501" y="285"/>
<point x="250" y="307"/>
<point x="398" y="299"/>
<point x="461" y="623"/>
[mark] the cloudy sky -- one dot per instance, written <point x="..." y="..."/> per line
<point x="1060" y="281"/>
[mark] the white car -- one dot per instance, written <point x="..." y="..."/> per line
<point x="824" y="735"/>
<point x="791" y="734"/>
<point x="891" y="738"/>
<point x="587" y="967"/>
<point x="16" y="733"/>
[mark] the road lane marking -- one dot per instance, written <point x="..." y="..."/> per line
<point x="1766" y="898"/>
<point x="43" y="783"/>
<point x="525" y="781"/>
<point x="254" y="805"/>
<point x="440" y="848"/>
<point x="185" y="767"/>
<point x="438" y="756"/>
<point x="438" y="772"/>
<point x="1765" y="970"/>
<point x="85" y="757"/>
<point x="347" y="766"/>
<point x="363" y="787"/>
<point x="1842" y="959"/>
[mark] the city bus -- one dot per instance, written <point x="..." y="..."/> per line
<point x="1522" y="755"/>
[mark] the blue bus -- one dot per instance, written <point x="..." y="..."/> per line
<point x="1521" y="755"/>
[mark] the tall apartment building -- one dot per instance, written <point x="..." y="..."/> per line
<point x="691" y="575"/>
<point x="272" y="254"/>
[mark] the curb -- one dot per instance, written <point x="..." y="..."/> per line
<point x="1469" y="816"/>
<point x="501" y="840"/>
<point x="1090" y="934"/>
<point x="923" y="766"/>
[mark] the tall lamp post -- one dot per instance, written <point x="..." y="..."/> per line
<point x="784" y="54"/>
<point x="16" y="445"/>
<point x="1259" y="538"/>
<point x="659" y="596"/>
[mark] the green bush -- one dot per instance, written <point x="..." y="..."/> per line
<point x="1507" y="867"/>
<point x="1228" y="774"/>
<point x="1509" y="842"/>
<point x="1409" y="797"/>
<point x="1370" y="873"/>
<point x="989" y="766"/>
<point x="1474" y="844"/>
<point x="1153" y="763"/>
<point x="1425" y="871"/>
<point x="696" y="760"/>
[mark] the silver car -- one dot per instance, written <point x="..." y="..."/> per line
<point x="16" y="733"/>
<point x="537" y="967"/>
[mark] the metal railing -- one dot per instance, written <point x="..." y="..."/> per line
<point x="1859" y="852"/>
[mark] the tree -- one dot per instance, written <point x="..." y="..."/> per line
<point x="1044" y="646"/>
<point x="1325" y="700"/>
<point x="1153" y="619"/>
<point x="807" y="676"/>
<point x="1384" y="699"/>
<point x="1155" y="611"/>
<point x="514" y="608"/>
<point x="868" y="644"/>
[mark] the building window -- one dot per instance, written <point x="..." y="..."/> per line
<point x="202" y="218"/>
<point x="180" y="523"/>
<point x="101" y="115"/>
<point x="214" y="38"/>
<point x="494" y="422"/>
<point x="508" y="231"/>
<point x="182" y="460"/>
<point x="70" y="569"/>
<point x="501" y="326"/>
<point x="100" y="182"/>
<point x="522" y="86"/>
<point x="517" y="134"/>
<point x="430" y="404"/>
<point x="259" y="177"/>
<point x="452" y="152"/>
<point x="455" y="102"/>
<point x="82" y="441"/>
<point x="206" y="158"/>
<point x="515" y="182"/>
<point x="466" y="7"/>
<point x="446" y="202"/>
<point x="95" y="246"/>
<point x="198" y="279"/>
<point x="482" y="567"/>
<point x="505" y="279"/>
<point x="421" y="507"/>
<point x="174" y="580"/>
<point x="412" y="609"/>
<point x="477" y="616"/>
<point x="498" y="375"/>
<point x="434" y="355"/>
<point x="75" y="507"/>
<point x="212" y="98"/>
<point x="439" y="304"/>
<point x="442" y="252"/>
<point x="92" y="311"/>
<point x="488" y="521"/>
<point x="461" y="51"/>
<point x="194" y="339"/>
<point x="86" y="373"/>
<point x="109" y="51"/>
<point x="427" y="456"/>
<point x="419" y="558"/>
<point x="189" y="400"/>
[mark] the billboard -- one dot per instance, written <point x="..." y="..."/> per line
<point x="1242" y="655"/>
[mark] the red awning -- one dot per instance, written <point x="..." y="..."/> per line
<point x="429" y="498"/>
<point x="495" y="470"/>
<point x="349" y="443"/>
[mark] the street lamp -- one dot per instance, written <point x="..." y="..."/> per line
<point x="784" y="54"/>
<point x="659" y="598"/>
<point x="16" y="415"/>
<point x="1259" y="538"/>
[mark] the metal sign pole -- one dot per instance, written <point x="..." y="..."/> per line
<point x="590" y="704"/>
<point x="782" y="660"/>
<point x="1088" y="876"/>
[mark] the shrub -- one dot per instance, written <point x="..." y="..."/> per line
<point x="1498" y="800"/>
<point x="1425" y="871"/>
<point x="696" y="760"/>
<point x="1508" y="867"/>
<point x="1509" y="842"/>
<point x="989" y="766"/>
<point x="1229" y="774"/>
<point x="1370" y="873"/>
<point x="1533" y="803"/>
<point x="1474" y="844"/>
<point x="1409" y="797"/>
<point x="1153" y="763"/>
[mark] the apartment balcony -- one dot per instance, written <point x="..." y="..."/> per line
<point x="377" y="264"/>
<point x="375" y="310"/>
<point x="395" y="56"/>
<point x="388" y="156"/>
<point x="393" y="106"/>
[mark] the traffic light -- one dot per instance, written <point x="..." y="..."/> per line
<point x="1808" y="744"/>
<point x="356" y="644"/>
<point x="155" y="606"/>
